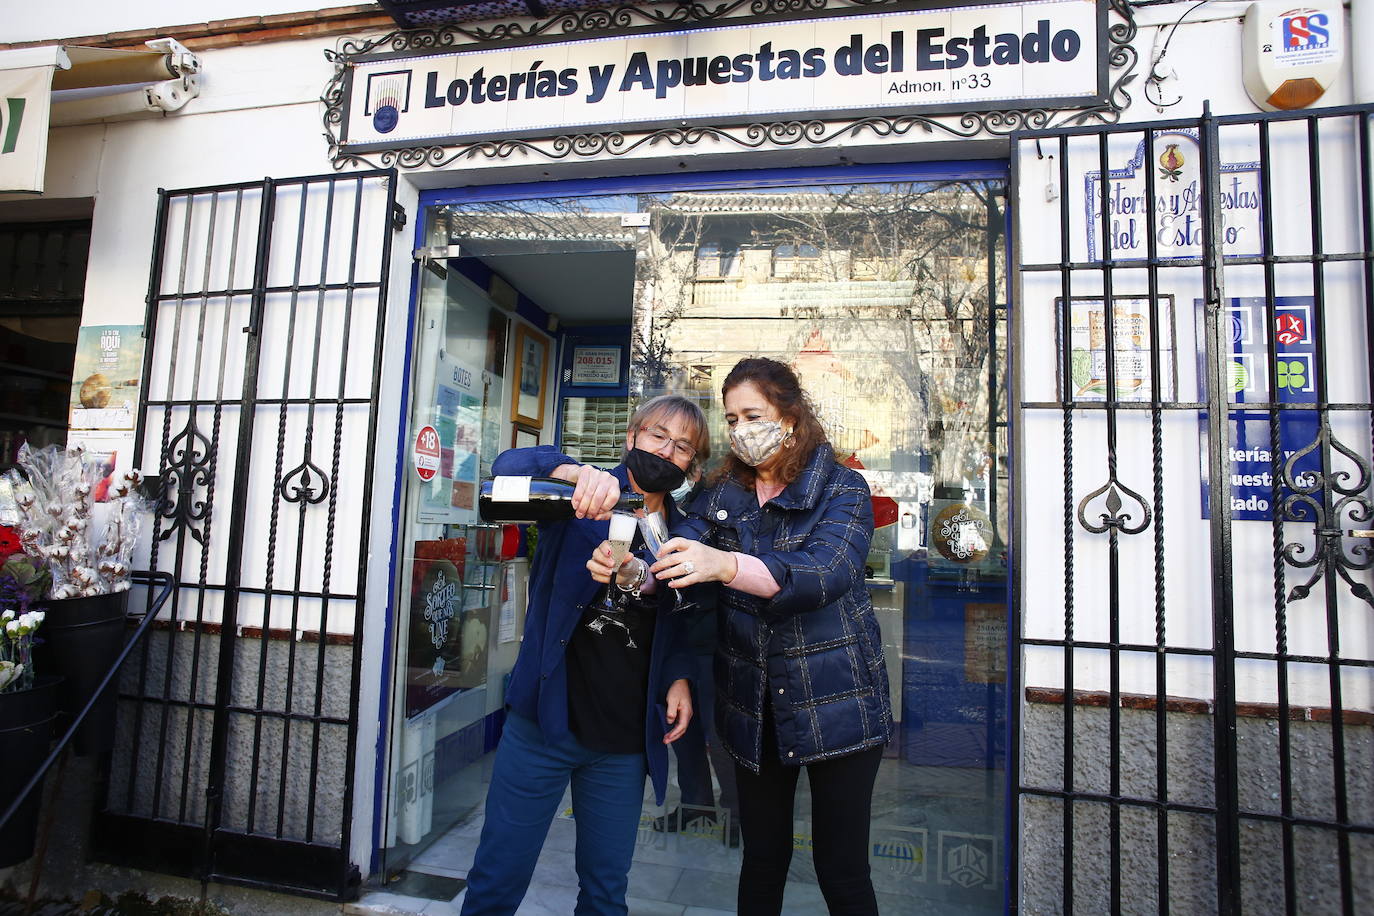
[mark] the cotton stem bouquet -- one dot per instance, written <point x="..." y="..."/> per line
<point x="51" y="506"/>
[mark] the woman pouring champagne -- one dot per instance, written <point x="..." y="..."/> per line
<point x="599" y="689"/>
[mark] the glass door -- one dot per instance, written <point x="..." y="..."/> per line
<point x="888" y="298"/>
<point x="457" y="613"/>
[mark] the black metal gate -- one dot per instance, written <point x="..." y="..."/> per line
<point x="1194" y="326"/>
<point x="236" y="754"/>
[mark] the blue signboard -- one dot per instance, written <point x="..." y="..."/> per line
<point x="1250" y="458"/>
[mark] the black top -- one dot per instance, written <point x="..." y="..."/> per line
<point x="608" y="680"/>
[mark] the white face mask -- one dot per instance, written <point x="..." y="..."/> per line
<point x="681" y="492"/>
<point x="757" y="441"/>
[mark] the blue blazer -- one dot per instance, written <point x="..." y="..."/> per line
<point x="559" y="588"/>
<point x="813" y="652"/>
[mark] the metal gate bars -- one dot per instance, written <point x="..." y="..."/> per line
<point x="1195" y="638"/>
<point x="238" y="724"/>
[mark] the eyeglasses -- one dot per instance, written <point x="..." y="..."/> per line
<point x="658" y="437"/>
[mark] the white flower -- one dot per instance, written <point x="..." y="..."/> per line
<point x="39" y="617"/>
<point x="8" y="615"/>
<point x="9" y="673"/>
<point x="12" y="629"/>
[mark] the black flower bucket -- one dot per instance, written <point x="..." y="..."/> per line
<point x="82" y="638"/>
<point x="26" y="724"/>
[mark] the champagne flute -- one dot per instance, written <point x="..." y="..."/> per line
<point x="621" y="534"/>
<point x="608" y="606"/>
<point x="655" y="532"/>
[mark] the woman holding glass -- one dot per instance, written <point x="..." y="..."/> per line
<point x="801" y="679"/>
<point x="600" y="688"/>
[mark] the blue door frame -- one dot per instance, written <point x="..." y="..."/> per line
<point x="976" y="169"/>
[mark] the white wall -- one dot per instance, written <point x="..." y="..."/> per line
<point x="73" y="18"/>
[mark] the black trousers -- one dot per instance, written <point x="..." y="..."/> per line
<point x="841" y="807"/>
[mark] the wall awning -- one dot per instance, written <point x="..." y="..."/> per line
<point x="66" y="84"/>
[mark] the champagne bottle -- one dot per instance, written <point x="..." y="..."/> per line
<point x="535" y="499"/>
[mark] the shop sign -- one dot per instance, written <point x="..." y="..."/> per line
<point x="996" y="56"/>
<point x="596" y="366"/>
<point x="1120" y="205"/>
<point x="106" y="376"/>
<point x="961" y="533"/>
<point x="985" y="643"/>
<point x="1130" y="355"/>
<point x="426" y="453"/>
<point x="1250" y="458"/>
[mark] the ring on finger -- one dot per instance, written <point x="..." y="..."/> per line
<point x="688" y="567"/>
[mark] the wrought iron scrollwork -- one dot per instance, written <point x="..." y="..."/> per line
<point x="1122" y="60"/>
<point x="1310" y="493"/>
<point x="185" y="468"/>
<point x="305" y="483"/>
<point x="1118" y="515"/>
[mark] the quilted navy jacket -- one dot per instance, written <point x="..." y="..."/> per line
<point x="559" y="588"/>
<point x="813" y="651"/>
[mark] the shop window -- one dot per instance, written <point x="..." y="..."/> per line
<point x="594" y="429"/>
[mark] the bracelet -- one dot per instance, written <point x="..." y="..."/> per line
<point x="641" y="573"/>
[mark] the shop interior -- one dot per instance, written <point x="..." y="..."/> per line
<point x="43" y="251"/>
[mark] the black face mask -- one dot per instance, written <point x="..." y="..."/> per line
<point x="654" y="473"/>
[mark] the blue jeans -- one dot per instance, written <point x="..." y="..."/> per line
<point x="527" y="784"/>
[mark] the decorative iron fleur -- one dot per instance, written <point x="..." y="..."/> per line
<point x="1115" y="517"/>
<point x="185" y="468"/>
<point x="305" y="483"/>
<point x="1311" y="492"/>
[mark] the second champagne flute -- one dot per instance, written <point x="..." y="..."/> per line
<point x="655" y="532"/>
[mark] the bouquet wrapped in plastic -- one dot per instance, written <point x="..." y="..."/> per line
<point x="50" y="504"/>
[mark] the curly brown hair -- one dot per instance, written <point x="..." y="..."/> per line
<point x="780" y="386"/>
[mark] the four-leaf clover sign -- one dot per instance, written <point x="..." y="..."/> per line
<point x="1292" y="374"/>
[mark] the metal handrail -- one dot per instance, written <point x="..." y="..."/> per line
<point x="168" y="583"/>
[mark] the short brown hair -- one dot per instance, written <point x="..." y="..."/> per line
<point x="674" y="405"/>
